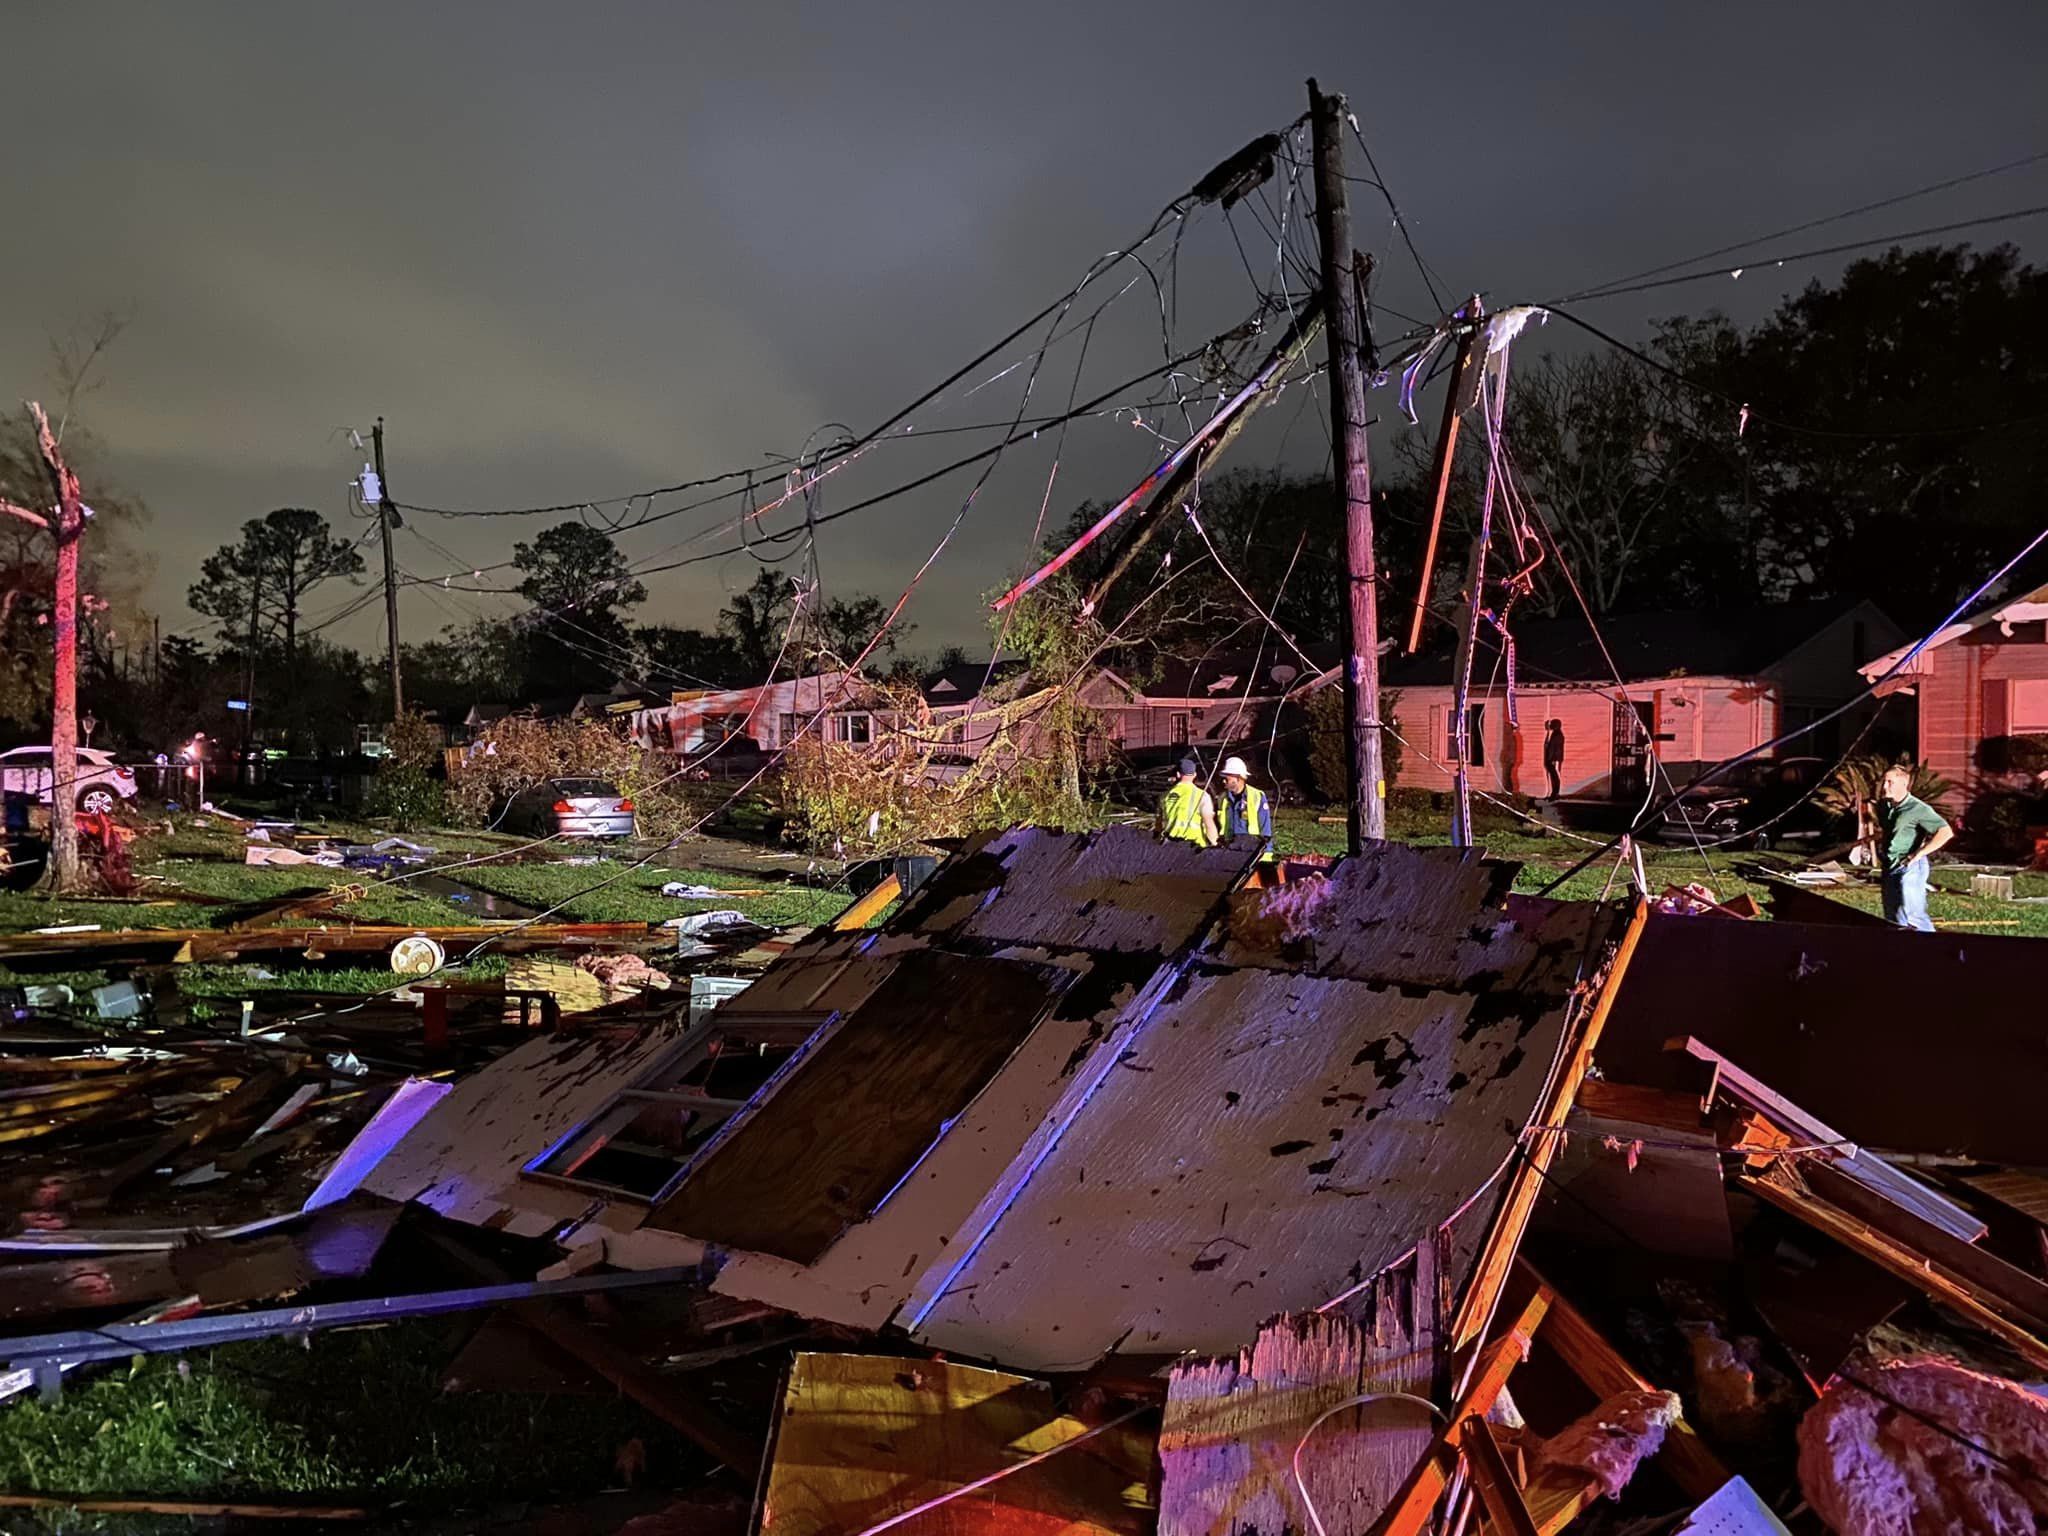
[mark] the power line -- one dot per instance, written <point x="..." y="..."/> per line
<point x="1833" y="218"/>
<point x="1650" y="360"/>
<point x="2011" y="215"/>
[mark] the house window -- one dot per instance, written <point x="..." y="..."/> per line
<point x="1475" y="732"/>
<point x="1178" y="728"/>
<point x="643" y="1139"/>
<point x="854" y="730"/>
<point x="2029" y="706"/>
<point x="790" y="724"/>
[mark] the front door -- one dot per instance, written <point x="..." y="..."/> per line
<point x="1635" y="722"/>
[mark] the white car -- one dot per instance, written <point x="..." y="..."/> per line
<point x="102" y="782"/>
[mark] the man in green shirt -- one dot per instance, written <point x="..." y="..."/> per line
<point x="1908" y="830"/>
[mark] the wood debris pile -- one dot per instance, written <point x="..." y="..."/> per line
<point x="1116" y="1187"/>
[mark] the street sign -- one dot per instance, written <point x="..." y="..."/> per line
<point x="238" y="703"/>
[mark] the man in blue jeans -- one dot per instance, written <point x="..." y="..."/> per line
<point x="1908" y="830"/>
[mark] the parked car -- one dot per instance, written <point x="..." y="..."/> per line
<point x="1767" y="802"/>
<point x="571" y="808"/>
<point x="102" y="782"/>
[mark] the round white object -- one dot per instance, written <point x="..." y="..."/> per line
<point x="417" y="956"/>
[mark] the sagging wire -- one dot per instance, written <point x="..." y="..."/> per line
<point x="1360" y="1400"/>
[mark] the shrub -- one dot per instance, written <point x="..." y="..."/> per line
<point x="407" y="797"/>
<point x="1860" y="778"/>
<point x="1329" y="747"/>
<point x="903" y="788"/>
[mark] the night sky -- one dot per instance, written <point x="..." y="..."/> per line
<point x="573" y="251"/>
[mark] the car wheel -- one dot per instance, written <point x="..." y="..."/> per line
<point x="97" y="802"/>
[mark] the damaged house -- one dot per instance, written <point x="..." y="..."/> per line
<point x="1329" y="1204"/>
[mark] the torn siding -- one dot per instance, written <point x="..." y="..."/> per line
<point x="1264" y="1143"/>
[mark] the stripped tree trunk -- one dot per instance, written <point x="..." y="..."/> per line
<point x="67" y="524"/>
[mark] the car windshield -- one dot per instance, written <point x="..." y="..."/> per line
<point x="586" y="788"/>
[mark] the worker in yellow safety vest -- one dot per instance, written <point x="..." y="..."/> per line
<point x="1186" y="813"/>
<point x="1245" y="807"/>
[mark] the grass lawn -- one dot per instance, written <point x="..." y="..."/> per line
<point x="612" y="891"/>
<point x="347" y="1415"/>
<point x="1545" y="855"/>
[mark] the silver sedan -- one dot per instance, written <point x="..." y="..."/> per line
<point x="572" y="808"/>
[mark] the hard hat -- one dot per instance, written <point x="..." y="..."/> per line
<point x="1233" y="767"/>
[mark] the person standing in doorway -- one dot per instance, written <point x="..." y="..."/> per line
<point x="1246" y="807"/>
<point x="1553" y="755"/>
<point x="1908" y="830"/>
<point x="1186" y="812"/>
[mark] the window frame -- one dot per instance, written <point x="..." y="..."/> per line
<point x="800" y="1030"/>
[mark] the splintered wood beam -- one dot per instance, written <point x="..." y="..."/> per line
<point x="1540" y="1149"/>
<point x="1783" y="1188"/>
<point x="188" y="1508"/>
<point x="1586" y="1352"/>
<point x="1408" y="1514"/>
<point x="1502" y="1500"/>
<point x="863" y="912"/>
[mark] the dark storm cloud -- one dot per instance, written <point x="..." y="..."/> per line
<point x="568" y="252"/>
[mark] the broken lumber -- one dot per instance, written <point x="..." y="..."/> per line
<point x="1526" y="1182"/>
<point x="196" y="1509"/>
<point x="1588" y="1355"/>
<point x="864" y="911"/>
<point x="868" y="1441"/>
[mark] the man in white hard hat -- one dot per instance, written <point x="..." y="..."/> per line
<point x="1245" y="808"/>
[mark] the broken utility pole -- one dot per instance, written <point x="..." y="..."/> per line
<point x="65" y="522"/>
<point x="1460" y="395"/>
<point x="1475" y="614"/>
<point x="387" y="519"/>
<point x="1367" y="818"/>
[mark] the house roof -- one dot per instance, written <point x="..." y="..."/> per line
<point x="2027" y="608"/>
<point x="1700" y="642"/>
<point x="964" y="680"/>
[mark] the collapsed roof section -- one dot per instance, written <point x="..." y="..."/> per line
<point x="1086" y="1094"/>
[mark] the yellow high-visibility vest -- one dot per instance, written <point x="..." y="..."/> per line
<point x="1254" y="804"/>
<point x="1181" y="810"/>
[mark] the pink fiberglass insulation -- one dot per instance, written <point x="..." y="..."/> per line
<point x="1918" y="1465"/>
<point x="1609" y="1443"/>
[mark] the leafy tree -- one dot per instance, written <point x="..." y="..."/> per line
<point x="756" y="621"/>
<point x="279" y="559"/>
<point x="1934" y="346"/>
<point x="577" y="581"/>
<point x="687" y="658"/>
<point x="847" y="624"/>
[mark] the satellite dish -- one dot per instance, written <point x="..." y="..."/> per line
<point x="1284" y="673"/>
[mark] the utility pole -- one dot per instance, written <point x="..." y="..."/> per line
<point x="1459" y="397"/>
<point x="1367" y="816"/>
<point x="249" y="664"/>
<point x="1468" y="644"/>
<point x="387" y="519"/>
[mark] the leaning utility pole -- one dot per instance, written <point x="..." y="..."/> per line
<point x="387" y="519"/>
<point x="65" y="522"/>
<point x="1367" y="817"/>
